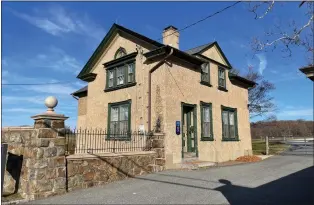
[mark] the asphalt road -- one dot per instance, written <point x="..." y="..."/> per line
<point x="300" y="150"/>
<point x="285" y="180"/>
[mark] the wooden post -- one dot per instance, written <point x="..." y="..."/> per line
<point x="267" y="145"/>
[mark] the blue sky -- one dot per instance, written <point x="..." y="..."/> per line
<point x="51" y="41"/>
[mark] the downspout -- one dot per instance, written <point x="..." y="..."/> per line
<point x="150" y="87"/>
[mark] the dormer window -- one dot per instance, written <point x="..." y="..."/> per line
<point x="120" y="53"/>
<point x="205" y="74"/>
<point x="221" y="78"/>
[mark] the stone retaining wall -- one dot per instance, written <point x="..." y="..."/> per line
<point x="86" y="170"/>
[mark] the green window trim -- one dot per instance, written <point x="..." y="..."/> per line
<point x="222" y="86"/>
<point x="120" y="53"/>
<point x="211" y="137"/>
<point x="205" y="77"/>
<point x="129" y="78"/>
<point x="235" y="112"/>
<point x="118" y="104"/>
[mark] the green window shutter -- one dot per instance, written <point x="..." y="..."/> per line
<point x="129" y="119"/>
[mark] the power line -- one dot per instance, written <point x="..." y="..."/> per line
<point x="37" y="83"/>
<point x="199" y="21"/>
<point x="193" y="24"/>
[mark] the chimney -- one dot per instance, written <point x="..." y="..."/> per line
<point x="171" y="36"/>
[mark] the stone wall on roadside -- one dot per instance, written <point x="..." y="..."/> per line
<point x="17" y="138"/>
<point x="87" y="170"/>
<point x="35" y="161"/>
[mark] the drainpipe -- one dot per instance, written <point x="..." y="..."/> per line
<point x="150" y="87"/>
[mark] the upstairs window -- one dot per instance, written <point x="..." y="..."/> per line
<point x="121" y="75"/>
<point x="120" y="53"/>
<point x="205" y="73"/>
<point x="221" y="77"/>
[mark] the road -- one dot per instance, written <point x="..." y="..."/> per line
<point x="285" y="180"/>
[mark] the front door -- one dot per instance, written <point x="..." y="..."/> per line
<point x="189" y="140"/>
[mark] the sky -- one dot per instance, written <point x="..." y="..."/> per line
<point x="47" y="42"/>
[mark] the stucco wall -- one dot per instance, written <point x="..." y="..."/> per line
<point x="183" y="85"/>
<point x="180" y="84"/>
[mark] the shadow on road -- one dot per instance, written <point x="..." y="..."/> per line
<point x="296" y="188"/>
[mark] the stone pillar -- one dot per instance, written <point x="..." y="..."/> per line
<point x="45" y="163"/>
<point x="158" y="145"/>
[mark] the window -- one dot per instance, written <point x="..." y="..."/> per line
<point x="119" y="120"/>
<point x="131" y="67"/>
<point x="120" y="53"/>
<point x="205" y="73"/>
<point x="206" y="122"/>
<point x="111" y="78"/>
<point x="229" y="124"/>
<point x="221" y="77"/>
<point x="121" y="75"/>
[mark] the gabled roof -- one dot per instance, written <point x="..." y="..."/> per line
<point x="80" y="91"/>
<point x="200" y="49"/>
<point x="105" y="42"/>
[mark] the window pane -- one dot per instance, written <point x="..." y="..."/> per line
<point x="131" y="72"/>
<point x="232" y="126"/>
<point x="206" y="114"/>
<point x="225" y="124"/>
<point x="114" y="114"/>
<point x="123" y="127"/>
<point x="205" y="72"/>
<point x="124" y="111"/>
<point x="120" y="75"/>
<point x="110" y="78"/>
<point x="206" y="127"/>
<point x="114" y="128"/>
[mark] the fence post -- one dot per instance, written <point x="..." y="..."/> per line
<point x="4" y="151"/>
<point x="267" y="145"/>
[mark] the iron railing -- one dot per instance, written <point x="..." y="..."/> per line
<point x="103" y="141"/>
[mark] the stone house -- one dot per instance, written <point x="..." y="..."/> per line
<point x="138" y="84"/>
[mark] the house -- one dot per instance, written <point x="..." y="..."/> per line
<point x="136" y="83"/>
<point x="308" y="71"/>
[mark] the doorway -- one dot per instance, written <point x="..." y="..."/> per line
<point x="189" y="131"/>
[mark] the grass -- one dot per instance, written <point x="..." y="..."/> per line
<point x="259" y="147"/>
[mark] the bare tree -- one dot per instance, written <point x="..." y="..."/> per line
<point x="286" y="39"/>
<point x="260" y="100"/>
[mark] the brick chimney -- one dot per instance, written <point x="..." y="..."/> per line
<point x="171" y="36"/>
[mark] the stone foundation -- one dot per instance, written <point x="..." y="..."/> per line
<point x="87" y="170"/>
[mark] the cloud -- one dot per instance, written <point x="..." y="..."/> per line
<point x="23" y="99"/>
<point x="296" y="113"/>
<point x="52" y="89"/>
<point x="52" y="58"/>
<point x="262" y="62"/>
<point x="58" y="22"/>
<point x="23" y="110"/>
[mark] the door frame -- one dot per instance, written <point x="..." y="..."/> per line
<point x="194" y="106"/>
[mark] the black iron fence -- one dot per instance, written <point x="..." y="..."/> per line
<point x="103" y="141"/>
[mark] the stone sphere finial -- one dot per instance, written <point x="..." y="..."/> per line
<point x="51" y="102"/>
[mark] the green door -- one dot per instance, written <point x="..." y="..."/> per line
<point x="189" y="136"/>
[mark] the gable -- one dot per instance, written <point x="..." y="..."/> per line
<point x="215" y="54"/>
<point x="107" y="41"/>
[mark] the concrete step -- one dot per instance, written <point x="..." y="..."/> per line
<point x="194" y="164"/>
